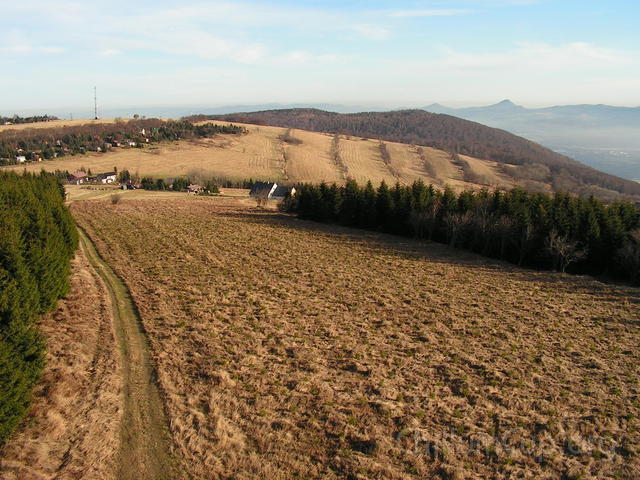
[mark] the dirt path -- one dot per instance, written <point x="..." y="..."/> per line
<point x="144" y="449"/>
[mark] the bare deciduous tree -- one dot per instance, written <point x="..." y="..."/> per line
<point x="629" y="255"/>
<point x="456" y="223"/>
<point x="262" y="197"/>
<point x="564" y="251"/>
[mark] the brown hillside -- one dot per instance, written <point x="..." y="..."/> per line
<point x="451" y="134"/>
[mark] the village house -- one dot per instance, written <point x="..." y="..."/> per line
<point x="21" y="159"/>
<point x="271" y="190"/>
<point x="195" y="189"/>
<point x="77" y="178"/>
<point x="108" y="177"/>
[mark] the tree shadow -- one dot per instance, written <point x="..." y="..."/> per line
<point x="403" y="247"/>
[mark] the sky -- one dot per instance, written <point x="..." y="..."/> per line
<point x="388" y="54"/>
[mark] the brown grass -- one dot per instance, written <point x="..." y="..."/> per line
<point x="72" y="429"/>
<point x="56" y="124"/>
<point x="287" y="349"/>
<point x="261" y="154"/>
<point x="311" y="159"/>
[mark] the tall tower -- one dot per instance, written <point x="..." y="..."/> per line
<point x="95" y="103"/>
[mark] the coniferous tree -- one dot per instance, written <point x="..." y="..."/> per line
<point x="37" y="240"/>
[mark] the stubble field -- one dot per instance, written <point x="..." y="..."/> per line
<point x="287" y="349"/>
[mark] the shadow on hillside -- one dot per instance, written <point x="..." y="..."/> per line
<point x="395" y="246"/>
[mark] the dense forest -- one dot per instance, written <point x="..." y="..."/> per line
<point x="560" y="232"/>
<point x="46" y="143"/>
<point x="451" y="134"/>
<point x="37" y="240"/>
<point x="16" y="119"/>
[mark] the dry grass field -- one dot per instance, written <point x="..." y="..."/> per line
<point x="56" y="124"/>
<point x="311" y="158"/>
<point x="363" y="161"/>
<point x="288" y="349"/>
<point x="261" y="154"/>
<point x="72" y="429"/>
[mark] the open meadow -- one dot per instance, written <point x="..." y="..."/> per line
<point x="262" y="153"/>
<point x="289" y="349"/>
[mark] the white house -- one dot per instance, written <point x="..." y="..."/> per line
<point x="21" y="159"/>
<point x="108" y="177"/>
<point x="271" y="190"/>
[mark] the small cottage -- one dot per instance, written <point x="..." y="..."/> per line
<point x="270" y="190"/>
<point x="77" y="178"/>
<point x="108" y="177"/>
<point x="195" y="189"/>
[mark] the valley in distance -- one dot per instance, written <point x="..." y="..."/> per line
<point x="419" y="327"/>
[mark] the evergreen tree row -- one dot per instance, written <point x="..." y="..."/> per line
<point x="17" y="119"/>
<point x="37" y="240"/>
<point x="536" y="230"/>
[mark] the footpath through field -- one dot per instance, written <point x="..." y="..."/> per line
<point x="145" y="440"/>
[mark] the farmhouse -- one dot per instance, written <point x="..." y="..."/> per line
<point x="21" y="159"/>
<point x="195" y="189"/>
<point x="77" y="178"/>
<point x="108" y="177"/>
<point x="271" y="190"/>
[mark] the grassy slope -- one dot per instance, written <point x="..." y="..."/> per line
<point x="287" y="348"/>
<point x="261" y="154"/>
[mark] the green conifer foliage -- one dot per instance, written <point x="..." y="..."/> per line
<point x="37" y="240"/>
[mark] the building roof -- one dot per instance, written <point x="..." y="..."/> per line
<point x="281" y="191"/>
<point x="78" y="174"/>
<point x="260" y="187"/>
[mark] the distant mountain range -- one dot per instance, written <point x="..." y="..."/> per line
<point x="602" y="136"/>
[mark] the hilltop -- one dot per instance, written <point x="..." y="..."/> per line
<point x="453" y="135"/>
<point x="295" y="155"/>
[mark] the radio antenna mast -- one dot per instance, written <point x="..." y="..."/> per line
<point x="95" y="103"/>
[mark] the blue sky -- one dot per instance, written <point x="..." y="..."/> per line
<point x="403" y="53"/>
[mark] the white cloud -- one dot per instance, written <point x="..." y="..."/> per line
<point x="569" y="56"/>
<point x="109" y="52"/>
<point x="426" y="12"/>
<point x="372" y="32"/>
<point x="21" y="48"/>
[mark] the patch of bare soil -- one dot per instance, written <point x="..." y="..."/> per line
<point x="288" y="349"/>
<point x="73" y="426"/>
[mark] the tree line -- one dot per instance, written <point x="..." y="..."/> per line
<point x="453" y="135"/>
<point x="47" y="143"/>
<point x="560" y="231"/>
<point x="211" y="184"/>
<point x="16" y="119"/>
<point x="37" y="240"/>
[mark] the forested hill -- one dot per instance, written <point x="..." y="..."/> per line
<point x="446" y="133"/>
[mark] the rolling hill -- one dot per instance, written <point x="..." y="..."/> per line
<point x="602" y="136"/>
<point x="531" y="161"/>
<point x="453" y="155"/>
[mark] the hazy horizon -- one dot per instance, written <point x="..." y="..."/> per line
<point x="171" y="54"/>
